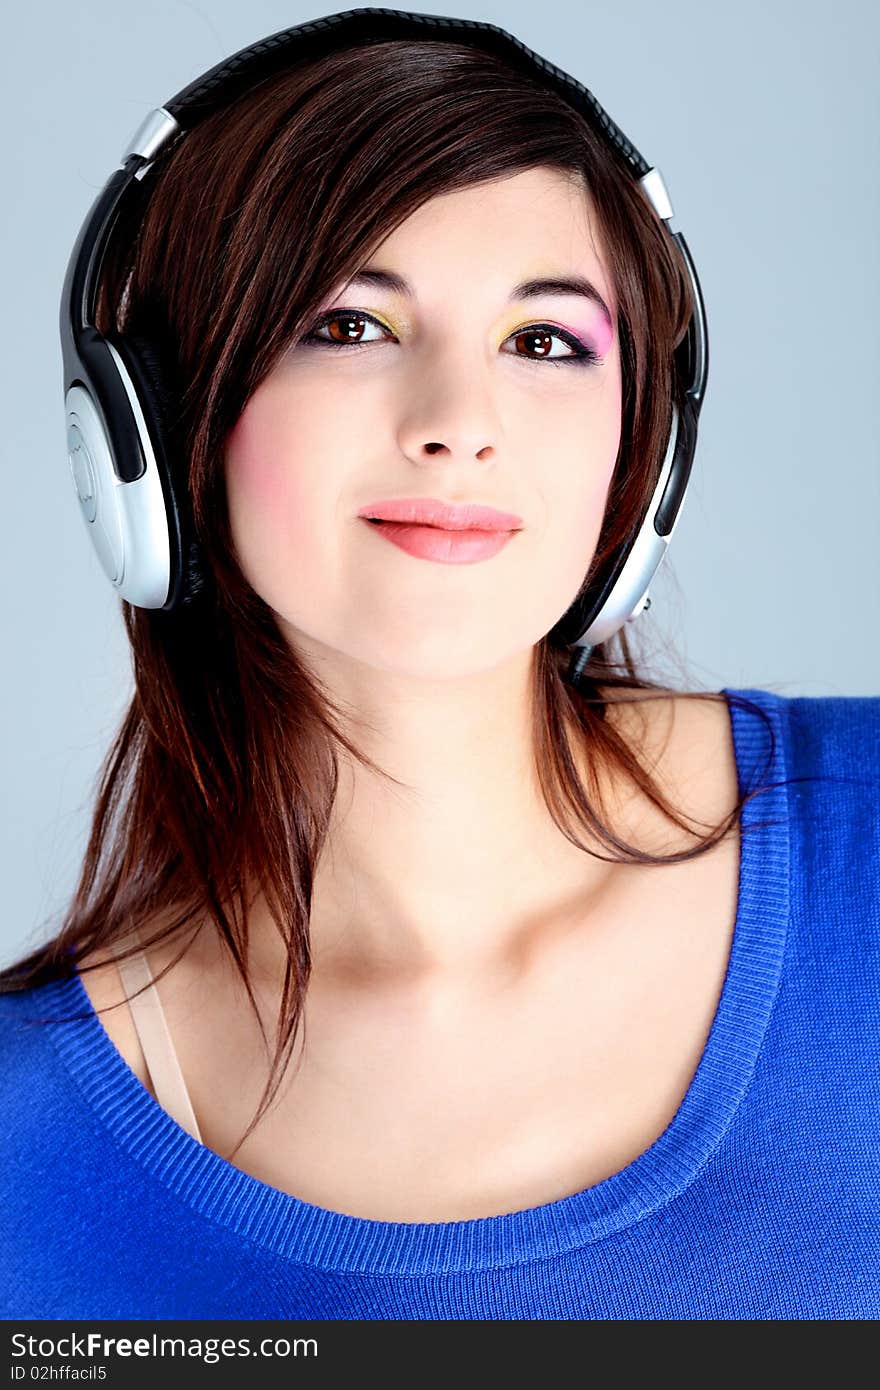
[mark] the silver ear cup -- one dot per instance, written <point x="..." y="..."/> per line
<point x="629" y="596"/>
<point x="127" y="522"/>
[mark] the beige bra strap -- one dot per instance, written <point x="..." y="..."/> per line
<point x="152" y="1029"/>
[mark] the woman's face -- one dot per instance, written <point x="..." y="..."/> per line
<point x="460" y="390"/>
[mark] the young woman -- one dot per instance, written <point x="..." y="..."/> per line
<point x="407" y="977"/>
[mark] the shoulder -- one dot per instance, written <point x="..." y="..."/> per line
<point x="102" y="983"/>
<point x="832" y="769"/>
<point x="829" y="767"/>
<point x="685" y="743"/>
<point x="837" y="732"/>
<point x="32" y="1076"/>
<point x="834" y="761"/>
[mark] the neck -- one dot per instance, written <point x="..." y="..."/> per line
<point x="461" y="868"/>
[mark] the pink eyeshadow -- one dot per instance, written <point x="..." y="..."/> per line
<point x="597" y="332"/>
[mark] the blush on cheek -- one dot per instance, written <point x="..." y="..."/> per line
<point x="255" y="462"/>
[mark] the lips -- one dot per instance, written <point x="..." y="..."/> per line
<point x="446" y="516"/>
<point x="464" y="546"/>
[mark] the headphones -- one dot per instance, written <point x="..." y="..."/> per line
<point x="130" y="480"/>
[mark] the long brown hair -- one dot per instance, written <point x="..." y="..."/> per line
<point x="224" y="769"/>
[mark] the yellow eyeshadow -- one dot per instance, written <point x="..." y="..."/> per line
<point x="386" y="323"/>
<point x="518" y="328"/>
<point x="380" y="318"/>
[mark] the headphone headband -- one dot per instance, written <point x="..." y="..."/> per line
<point x="223" y="83"/>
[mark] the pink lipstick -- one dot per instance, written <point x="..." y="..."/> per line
<point x="429" y="511"/>
<point x="434" y="530"/>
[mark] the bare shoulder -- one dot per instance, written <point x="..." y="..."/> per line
<point x="686" y="744"/>
<point x="103" y="984"/>
<point x="704" y="754"/>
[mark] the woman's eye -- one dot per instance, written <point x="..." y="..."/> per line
<point x="346" y="328"/>
<point x="540" y="338"/>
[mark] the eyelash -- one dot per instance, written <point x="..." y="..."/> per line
<point x="581" y="354"/>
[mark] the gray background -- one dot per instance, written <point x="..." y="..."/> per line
<point x="763" y="118"/>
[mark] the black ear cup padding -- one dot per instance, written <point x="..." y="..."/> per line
<point x="153" y="382"/>
<point x="161" y="400"/>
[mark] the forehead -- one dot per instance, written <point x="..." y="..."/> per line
<point x="536" y="222"/>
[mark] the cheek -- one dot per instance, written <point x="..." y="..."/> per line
<point x="270" y="493"/>
<point x="579" y="497"/>
<point x="257" y="477"/>
<point x="583" y="524"/>
<point x="590" y="443"/>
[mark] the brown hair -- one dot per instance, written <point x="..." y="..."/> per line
<point x="224" y="770"/>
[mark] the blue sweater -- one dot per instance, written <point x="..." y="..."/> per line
<point x="760" y="1200"/>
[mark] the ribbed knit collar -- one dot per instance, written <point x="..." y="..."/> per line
<point x="267" y="1217"/>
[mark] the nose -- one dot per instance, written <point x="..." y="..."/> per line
<point x="450" y="412"/>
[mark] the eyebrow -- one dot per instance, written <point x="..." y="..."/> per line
<point x="526" y="289"/>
